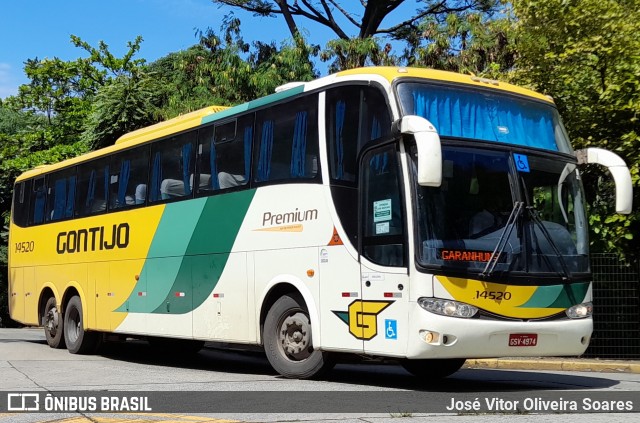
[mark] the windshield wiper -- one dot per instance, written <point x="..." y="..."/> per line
<point x="504" y="238"/>
<point x="533" y="214"/>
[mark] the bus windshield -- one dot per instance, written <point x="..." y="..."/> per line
<point x="474" y="217"/>
<point x="485" y="116"/>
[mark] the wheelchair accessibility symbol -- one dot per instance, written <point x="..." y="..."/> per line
<point x="522" y="162"/>
<point x="391" y="329"/>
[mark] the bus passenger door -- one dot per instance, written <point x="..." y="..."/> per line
<point x="383" y="254"/>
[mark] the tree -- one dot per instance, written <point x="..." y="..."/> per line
<point x="223" y="69"/>
<point x="359" y="25"/>
<point x="367" y="20"/>
<point x="584" y="54"/>
<point x="124" y="104"/>
<point x="468" y="42"/>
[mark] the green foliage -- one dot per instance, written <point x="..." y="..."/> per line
<point x="467" y="42"/>
<point x="107" y="62"/>
<point x="124" y="104"/>
<point x="225" y="70"/>
<point x="58" y="91"/>
<point x="357" y="52"/>
<point x="585" y="54"/>
<point x="432" y="30"/>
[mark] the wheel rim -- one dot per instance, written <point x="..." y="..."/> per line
<point x="73" y="325"/>
<point x="294" y="336"/>
<point x="52" y="321"/>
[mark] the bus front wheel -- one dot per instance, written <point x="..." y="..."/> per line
<point x="287" y="340"/>
<point x="53" y="324"/>
<point x="77" y="339"/>
<point x="431" y="369"/>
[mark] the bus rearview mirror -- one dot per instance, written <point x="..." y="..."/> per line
<point x="429" y="148"/>
<point x="619" y="171"/>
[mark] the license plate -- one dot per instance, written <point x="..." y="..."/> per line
<point x="523" y="339"/>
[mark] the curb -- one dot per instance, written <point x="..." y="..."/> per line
<point x="558" y="364"/>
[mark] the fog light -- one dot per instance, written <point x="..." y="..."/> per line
<point x="428" y="336"/>
<point x="580" y="311"/>
<point x="447" y="307"/>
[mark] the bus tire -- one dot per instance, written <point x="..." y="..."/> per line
<point x="287" y="340"/>
<point x="431" y="369"/>
<point x="53" y="323"/>
<point x="77" y="339"/>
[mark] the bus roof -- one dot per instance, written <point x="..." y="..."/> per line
<point x="171" y="126"/>
<point x="139" y="136"/>
<point x="391" y="74"/>
<point x="213" y="113"/>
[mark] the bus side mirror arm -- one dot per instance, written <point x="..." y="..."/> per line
<point x="619" y="171"/>
<point x="429" y="148"/>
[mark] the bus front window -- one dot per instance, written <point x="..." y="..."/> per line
<point x="461" y="223"/>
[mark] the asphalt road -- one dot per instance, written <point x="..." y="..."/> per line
<point x="241" y="386"/>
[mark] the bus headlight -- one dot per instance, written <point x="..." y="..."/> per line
<point x="447" y="307"/>
<point x="580" y="311"/>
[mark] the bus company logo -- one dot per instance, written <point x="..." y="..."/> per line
<point x="93" y="239"/>
<point x="362" y="317"/>
<point x="287" y="222"/>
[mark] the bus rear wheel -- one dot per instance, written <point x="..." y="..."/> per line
<point x="430" y="369"/>
<point x="287" y="340"/>
<point x="53" y="324"/>
<point x="77" y="339"/>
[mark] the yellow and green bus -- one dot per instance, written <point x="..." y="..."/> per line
<point x="412" y="214"/>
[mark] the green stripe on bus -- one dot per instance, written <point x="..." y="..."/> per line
<point x="169" y="245"/>
<point x="557" y="296"/>
<point x="253" y="104"/>
<point x="208" y="251"/>
<point x="188" y="253"/>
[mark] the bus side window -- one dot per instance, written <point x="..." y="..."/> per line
<point x="21" y="203"/>
<point x="61" y="192"/>
<point x="224" y="155"/>
<point x="93" y="188"/>
<point x="376" y="122"/>
<point x="128" y="172"/>
<point x="355" y="116"/>
<point x="232" y="152"/>
<point x="287" y="141"/>
<point x="172" y="167"/>
<point x="206" y="162"/>
<point x="383" y="223"/>
<point x="38" y="201"/>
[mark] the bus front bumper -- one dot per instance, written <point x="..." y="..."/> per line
<point x="435" y="336"/>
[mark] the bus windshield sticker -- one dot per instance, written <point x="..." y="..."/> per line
<point x="382" y="228"/>
<point x="382" y="210"/>
<point x="522" y="162"/>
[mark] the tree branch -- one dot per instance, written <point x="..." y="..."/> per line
<point x="316" y="16"/>
<point x="259" y="7"/>
<point x="347" y="14"/>
<point x="284" y="8"/>
<point x="435" y="9"/>
<point x="374" y="12"/>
